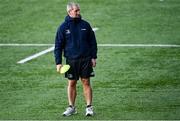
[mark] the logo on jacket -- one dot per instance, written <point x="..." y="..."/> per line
<point x="68" y="31"/>
<point x="83" y="29"/>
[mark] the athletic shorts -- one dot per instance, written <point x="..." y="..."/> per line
<point x="79" y="68"/>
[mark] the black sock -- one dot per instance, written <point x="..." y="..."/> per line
<point x="88" y="106"/>
<point x="70" y="106"/>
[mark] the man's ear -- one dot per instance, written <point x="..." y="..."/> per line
<point x="69" y="12"/>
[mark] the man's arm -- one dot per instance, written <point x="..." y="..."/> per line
<point x="59" y="45"/>
<point x="93" y="44"/>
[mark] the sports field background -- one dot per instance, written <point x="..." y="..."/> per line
<point x="131" y="82"/>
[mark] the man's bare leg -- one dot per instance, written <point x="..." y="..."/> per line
<point x="72" y="92"/>
<point x="87" y="90"/>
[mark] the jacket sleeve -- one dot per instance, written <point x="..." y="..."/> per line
<point x="59" y="45"/>
<point x="93" y="44"/>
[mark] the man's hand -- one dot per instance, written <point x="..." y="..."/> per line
<point x="93" y="62"/>
<point x="58" y="67"/>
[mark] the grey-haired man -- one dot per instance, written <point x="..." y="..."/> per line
<point x="76" y="39"/>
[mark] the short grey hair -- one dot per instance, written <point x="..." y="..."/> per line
<point x="70" y="6"/>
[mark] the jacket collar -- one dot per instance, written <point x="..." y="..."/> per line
<point x="70" y="19"/>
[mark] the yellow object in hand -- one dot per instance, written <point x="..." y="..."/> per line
<point x="64" y="69"/>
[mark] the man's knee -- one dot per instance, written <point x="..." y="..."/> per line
<point x="72" y="83"/>
<point x="85" y="81"/>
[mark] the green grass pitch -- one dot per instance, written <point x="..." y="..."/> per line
<point x="138" y="83"/>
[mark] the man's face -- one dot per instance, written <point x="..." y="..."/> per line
<point x="75" y="12"/>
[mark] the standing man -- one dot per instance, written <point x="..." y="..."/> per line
<point x="76" y="40"/>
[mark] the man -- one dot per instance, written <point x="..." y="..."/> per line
<point x="77" y="41"/>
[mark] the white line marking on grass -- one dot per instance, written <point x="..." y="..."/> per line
<point x="35" y="55"/>
<point x="138" y="45"/>
<point x="100" y="45"/>
<point x="34" y="45"/>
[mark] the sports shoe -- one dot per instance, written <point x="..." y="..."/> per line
<point x="69" y="111"/>
<point x="89" y="111"/>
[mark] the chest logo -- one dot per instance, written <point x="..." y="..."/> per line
<point x="68" y="31"/>
<point x="83" y="29"/>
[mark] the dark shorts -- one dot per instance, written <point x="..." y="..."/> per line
<point x="79" y="68"/>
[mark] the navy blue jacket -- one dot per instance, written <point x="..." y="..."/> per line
<point x="76" y="39"/>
